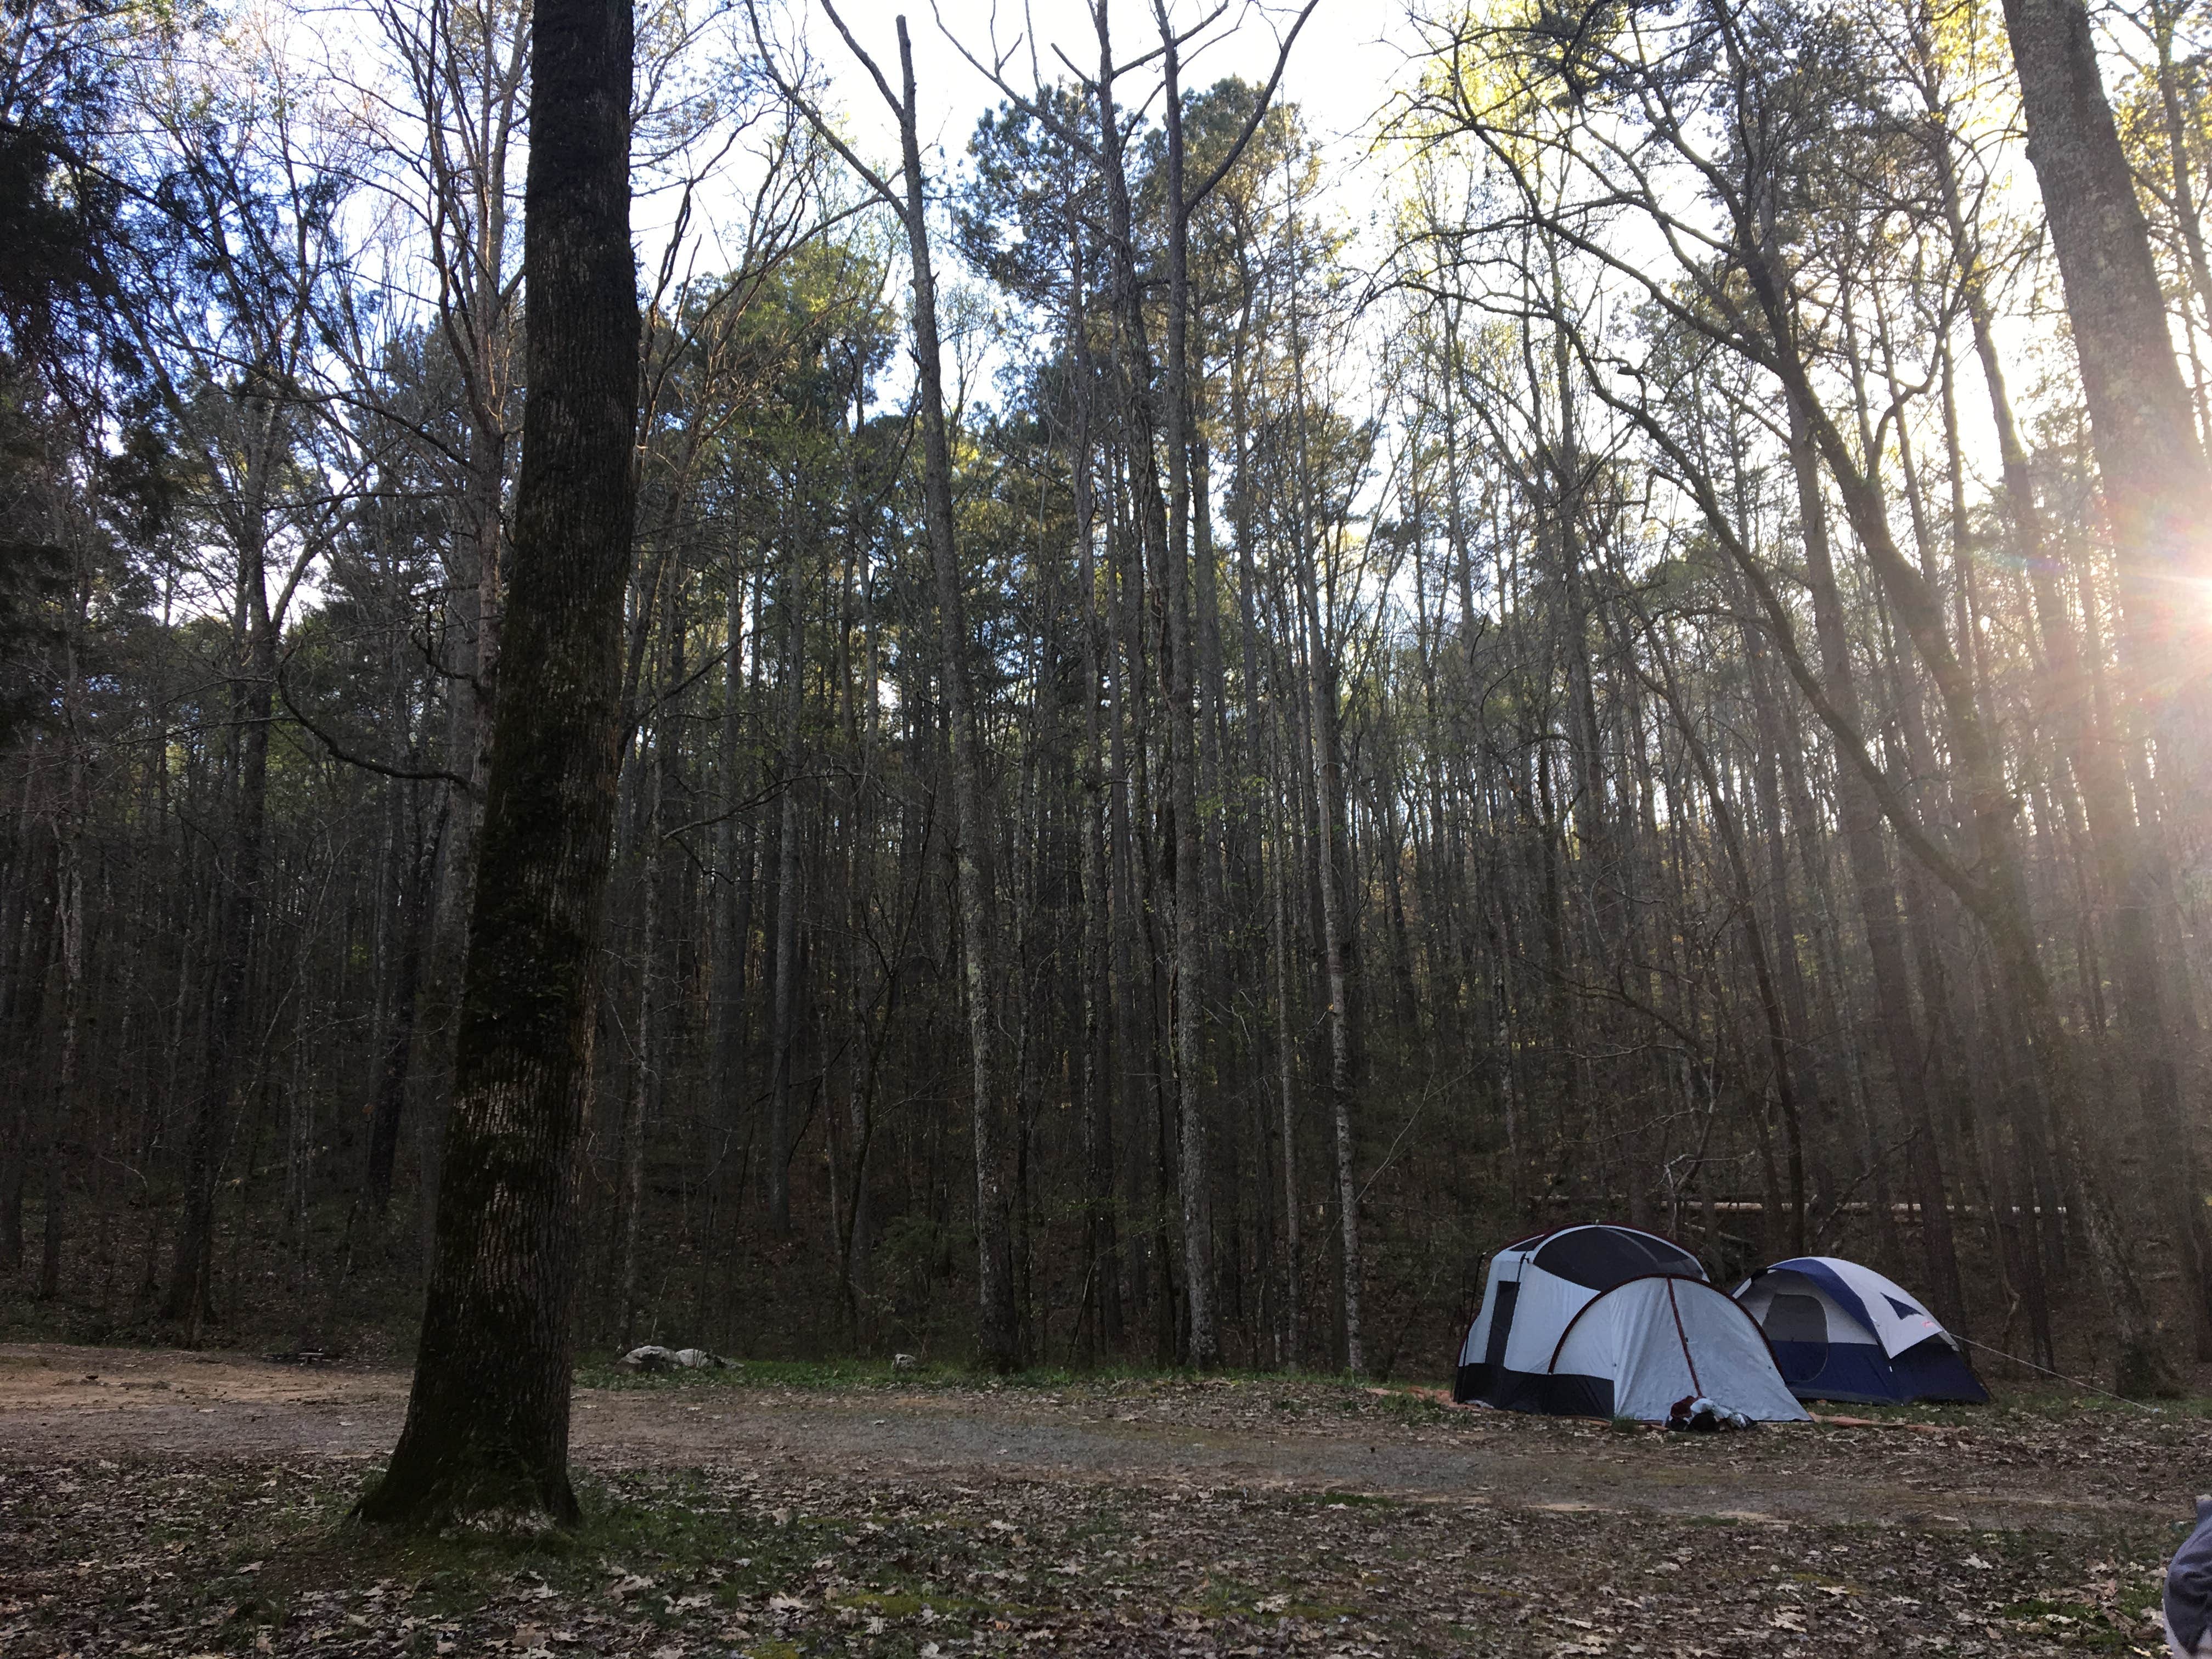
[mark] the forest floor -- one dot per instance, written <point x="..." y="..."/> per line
<point x="181" y="1504"/>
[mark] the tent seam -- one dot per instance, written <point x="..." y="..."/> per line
<point x="1683" y="1337"/>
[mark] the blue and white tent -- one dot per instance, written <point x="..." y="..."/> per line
<point x="1840" y="1331"/>
<point x="1612" y="1321"/>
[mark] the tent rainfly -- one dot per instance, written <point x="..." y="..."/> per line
<point x="1842" y="1332"/>
<point x="1611" y="1321"/>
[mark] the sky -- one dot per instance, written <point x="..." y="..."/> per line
<point x="1341" y="69"/>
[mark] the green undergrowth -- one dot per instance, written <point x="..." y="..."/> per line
<point x="668" y="1548"/>
<point x="660" y="1548"/>
<point x="605" y="1370"/>
<point x="780" y="1560"/>
<point x="2121" y="1628"/>
<point x="682" y="1526"/>
<point x="2047" y="1404"/>
<point x="1284" y="1398"/>
<point x="1346" y="1500"/>
<point x="1294" y="1393"/>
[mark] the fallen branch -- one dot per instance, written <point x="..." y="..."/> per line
<point x="1879" y="1422"/>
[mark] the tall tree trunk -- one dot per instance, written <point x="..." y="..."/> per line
<point x="486" y="1438"/>
<point x="999" y="1333"/>
<point x="239" y="910"/>
<point x="1278" y="891"/>
<point x="1997" y="900"/>
<point x="2158" y="491"/>
<point x="731" y="889"/>
<point x="388" y="1104"/>
<point x="1755" y="946"/>
<point x="69" y="924"/>
<point x="1336" y="941"/>
<point x="1102" y="1247"/>
<point x="2124" y="867"/>
<point x="1873" y="880"/>
<point x="1190" y="883"/>
<point x="781" y="1033"/>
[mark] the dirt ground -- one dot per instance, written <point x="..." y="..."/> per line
<point x="166" y="1503"/>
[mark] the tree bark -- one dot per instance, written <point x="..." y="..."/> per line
<point x="238" y="912"/>
<point x="785" y="966"/>
<point x="2116" y="838"/>
<point x="2158" y="491"/>
<point x="1329" y="851"/>
<point x="999" y="1333"/>
<point x="486" y="1438"/>
<point x="1190" y="949"/>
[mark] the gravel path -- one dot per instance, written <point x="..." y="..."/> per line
<point x="188" y="1505"/>
<point x="2108" y="1468"/>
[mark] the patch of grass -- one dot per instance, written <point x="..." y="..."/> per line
<point x="679" y="1532"/>
<point x="2038" y="1404"/>
<point x="1112" y="1377"/>
<point x="908" y="1604"/>
<point x="1356" y="1500"/>
<point x="685" y="1524"/>
<point x="1411" y="1409"/>
<point x="652" y="1550"/>
<point x="2083" y="1625"/>
<point x="2047" y="1403"/>
<point x="606" y="1371"/>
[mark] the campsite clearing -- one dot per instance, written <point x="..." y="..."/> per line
<point x="166" y="1503"/>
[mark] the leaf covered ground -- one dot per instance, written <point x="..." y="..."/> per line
<point x="757" y="1513"/>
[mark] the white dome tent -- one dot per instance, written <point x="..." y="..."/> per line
<point x="1611" y="1321"/>
<point x="1841" y="1331"/>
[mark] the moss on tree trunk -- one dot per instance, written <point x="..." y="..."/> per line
<point x="486" y="1441"/>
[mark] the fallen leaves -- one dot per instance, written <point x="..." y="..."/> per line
<point x="234" y="1554"/>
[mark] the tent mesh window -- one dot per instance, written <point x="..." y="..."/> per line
<point x="1796" y="1319"/>
<point x="1599" y="1258"/>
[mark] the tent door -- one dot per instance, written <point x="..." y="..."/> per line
<point x="1798" y="1328"/>
<point x="1501" y="1323"/>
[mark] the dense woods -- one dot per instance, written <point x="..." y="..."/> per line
<point x="1194" y="753"/>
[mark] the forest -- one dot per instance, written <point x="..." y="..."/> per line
<point x="1208" y="732"/>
